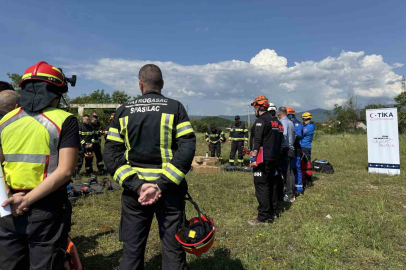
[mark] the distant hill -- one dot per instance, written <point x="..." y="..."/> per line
<point x="318" y="116"/>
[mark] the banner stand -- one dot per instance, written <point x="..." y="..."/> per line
<point x="383" y="141"/>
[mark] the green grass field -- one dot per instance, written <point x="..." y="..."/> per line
<point x="367" y="229"/>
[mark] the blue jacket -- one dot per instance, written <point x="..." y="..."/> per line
<point x="298" y="129"/>
<point x="308" y="133"/>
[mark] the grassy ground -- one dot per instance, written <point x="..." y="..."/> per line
<point x="367" y="229"/>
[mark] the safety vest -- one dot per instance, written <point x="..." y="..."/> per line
<point x="30" y="143"/>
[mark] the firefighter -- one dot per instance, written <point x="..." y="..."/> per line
<point x="298" y="149"/>
<point x="287" y="154"/>
<point x="238" y="138"/>
<point x="308" y="133"/>
<point x="86" y="133"/>
<point x="215" y="136"/>
<point x="267" y="133"/>
<point x="97" y="142"/>
<point x="106" y="133"/>
<point x="6" y="86"/>
<point x="8" y="101"/>
<point x="149" y="150"/>
<point x="39" y="146"/>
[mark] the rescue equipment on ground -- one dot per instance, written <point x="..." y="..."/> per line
<point x="323" y="166"/>
<point x="196" y="235"/>
<point x="90" y="187"/>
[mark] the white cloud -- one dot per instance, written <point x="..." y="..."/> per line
<point x="398" y="65"/>
<point x="231" y="85"/>
<point x="289" y="87"/>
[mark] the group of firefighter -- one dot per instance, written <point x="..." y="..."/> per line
<point x="149" y="148"/>
<point x="289" y="149"/>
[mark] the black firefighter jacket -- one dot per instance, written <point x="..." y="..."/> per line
<point x="150" y="140"/>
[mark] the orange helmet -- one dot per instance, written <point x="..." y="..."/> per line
<point x="198" y="236"/>
<point x="290" y="110"/>
<point x="261" y="102"/>
<point x="42" y="71"/>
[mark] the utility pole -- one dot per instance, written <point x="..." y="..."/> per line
<point x="403" y="84"/>
<point x="249" y="133"/>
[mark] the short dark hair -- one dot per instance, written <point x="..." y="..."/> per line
<point x="213" y="126"/>
<point x="237" y="117"/>
<point x="6" y="86"/>
<point x="283" y="110"/>
<point x="151" y="76"/>
<point x="86" y="115"/>
<point x="95" y="117"/>
<point x="272" y="112"/>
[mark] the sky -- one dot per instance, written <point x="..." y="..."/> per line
<point x="216" y="56"/>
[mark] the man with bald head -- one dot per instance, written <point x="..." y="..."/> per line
<point x="8" y="101"/>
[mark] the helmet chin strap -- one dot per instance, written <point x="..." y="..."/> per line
<point x="64" y="100"/>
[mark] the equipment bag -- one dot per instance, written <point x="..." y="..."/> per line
<point x="323" y="166"/>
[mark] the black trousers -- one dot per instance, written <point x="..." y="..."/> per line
<point x="88" y="163"/>
<point x="287" y="171"/>
<point x="266" y="190"/>
<point x="215" y="148"/>
<point x="38" y="239"/>
<point x="236" y="146"/>
<point x="99" y="156"/>
<point x="135" y="225"/>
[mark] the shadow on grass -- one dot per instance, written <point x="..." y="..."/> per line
<point x="220" y="261"/>
<point x="89" y="244"/>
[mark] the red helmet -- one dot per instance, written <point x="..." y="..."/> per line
<point x="198" y="236"/>
<point x="89" y="154"/>
<point x="42" y="71"/>
<point x="261" y="102"/>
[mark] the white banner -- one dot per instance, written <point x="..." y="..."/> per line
<point x="383" y="141"/>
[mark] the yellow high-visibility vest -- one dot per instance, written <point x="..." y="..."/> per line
<point x="30" y="141"/>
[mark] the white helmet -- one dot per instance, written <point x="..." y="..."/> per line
<point x="272" y="107"/>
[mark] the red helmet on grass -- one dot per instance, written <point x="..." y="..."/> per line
<point x="197" y="236"/>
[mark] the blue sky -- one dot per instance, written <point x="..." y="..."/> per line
<point x="186" y="36"/>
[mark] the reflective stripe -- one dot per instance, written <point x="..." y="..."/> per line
<point x="122" y="173"/>
<point x="100" y="163"/>
<point x="166" y="138"/>
<point x="231" y="160"/>
<point x="183" y="129"/>
<point x="239" y="129"/>
<point x="124" y="132"/>
<point x="83" y="142"/>
<point x="28" y="158"/>
<point x="174" y="174"/>
<point x="148" y="173"/>
<point x="48" y="75"/>
<point x="113" y="135"/>
<point x="240" y="160"/>
<point x="53" y="132"/>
